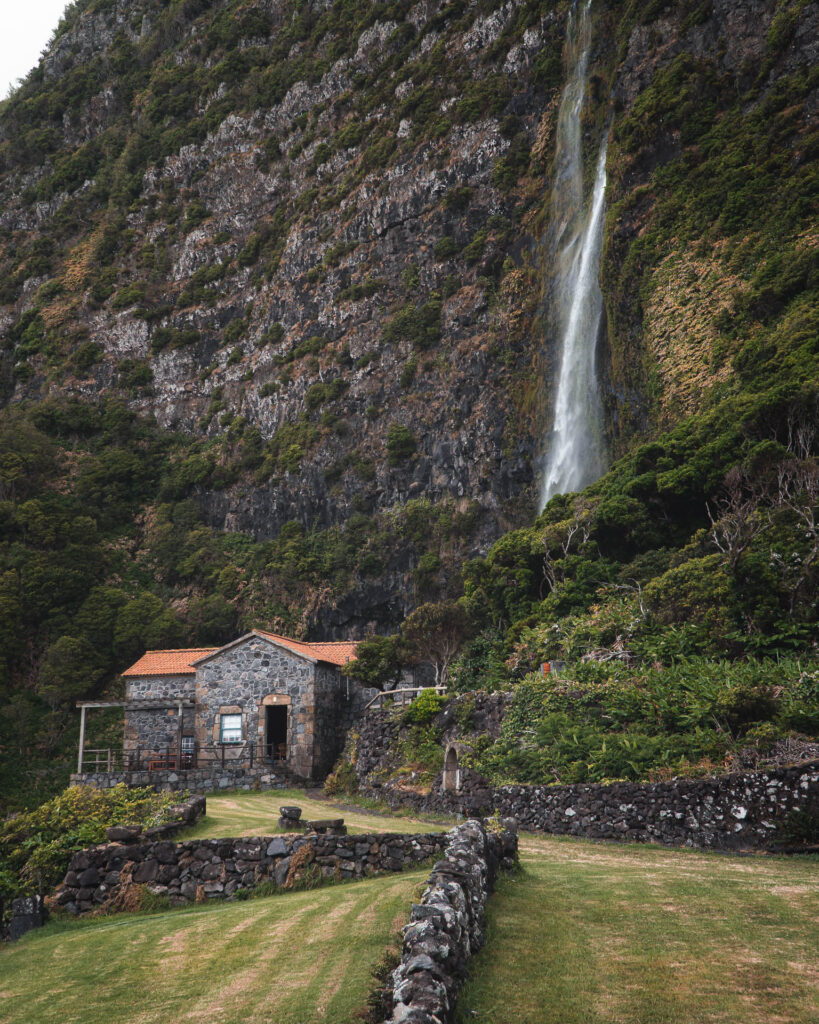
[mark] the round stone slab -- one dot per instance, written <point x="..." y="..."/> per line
<point x="290" y="812"/>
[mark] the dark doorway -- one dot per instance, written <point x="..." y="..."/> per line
<point x="276" y="733"/>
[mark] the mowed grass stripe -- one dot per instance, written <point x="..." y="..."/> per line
<point x="257" y="814"/>
<point x="354" y="935"/>
<point x="640" y="935"/>
<point x="298" y="958"/>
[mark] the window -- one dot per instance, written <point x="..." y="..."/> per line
<point x="230" y="728"/>
<point x="187" y="744"/>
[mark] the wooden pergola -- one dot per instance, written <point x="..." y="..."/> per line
<point x="133" y="705"/>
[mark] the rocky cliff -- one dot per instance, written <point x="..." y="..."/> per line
<point x="310" y="233"/>
<point x="275" y="293"/>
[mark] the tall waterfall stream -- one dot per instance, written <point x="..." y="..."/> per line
<point x="576" y="454"/>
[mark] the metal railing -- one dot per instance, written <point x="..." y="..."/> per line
<point x="399" y="698"/>
<point x="216" y="755"/>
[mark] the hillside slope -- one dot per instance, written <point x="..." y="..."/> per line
<point x="275" y="313"/>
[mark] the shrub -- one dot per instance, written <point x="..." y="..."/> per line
<point x="342" y="780"/>
<point x="474" y="251"/>
<point x="445" y="247"/>
<point x="272" y="336"/>
<point x="173" y="337"/>
<point x="235" y="329"/>
<point x="424" y="708"/>
<point x="458" y="198"/>
<point x="364" y="290"/>
<point x="400" y="444"/>
<point x="195" y="214"/>
<point x="133" y="373"/>
<point x="408" y="371"/>
<point x="86" y="355"/>
<point x="129" y="295"/>
<point x="35" y="846"/>
<point x="420" y="325"/>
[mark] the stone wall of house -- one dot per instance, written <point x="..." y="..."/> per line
<point x="744" y="810"/>
<point x="198" y="780"/>
<point x="219" y="868"/>
<point x="339" y="703"/>
<point x="446" y="928"/>
<point x="238" y="679"/>
<point x="157" y="730"/>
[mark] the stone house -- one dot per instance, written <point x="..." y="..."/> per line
<point x="261" y="699"/>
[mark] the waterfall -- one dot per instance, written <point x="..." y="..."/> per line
<point x="576" y="453"/>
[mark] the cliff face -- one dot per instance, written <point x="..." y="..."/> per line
<point x="308" y="236"/>
<point x="314" y="270"/>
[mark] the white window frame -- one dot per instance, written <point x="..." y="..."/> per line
<point x="230" y="731"/>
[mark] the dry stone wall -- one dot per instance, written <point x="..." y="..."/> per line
<point x="202" y="869"/>
<point x="738" y="811"/>
<point x="447" y="927"/>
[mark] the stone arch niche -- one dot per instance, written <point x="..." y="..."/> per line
<point x="452" y="771"/>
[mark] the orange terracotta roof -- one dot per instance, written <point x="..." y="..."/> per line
<point x="336" y="653"/>
<point x="168" y="663"/>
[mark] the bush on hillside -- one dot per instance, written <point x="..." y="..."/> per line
<point x="599" y="722"/>
<point x="36" y="846"/>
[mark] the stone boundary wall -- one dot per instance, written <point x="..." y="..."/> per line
<point x="446" y="927"/>
<point x="201" y="869"/>
<point x="743" y="810"/>
<point x="202" y="780"/>
<point x="739" y="811"/>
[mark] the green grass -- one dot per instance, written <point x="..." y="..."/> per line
<point x="601" y="934"/>
<point x="249" y="814"/>
<point x="296" y="958"/>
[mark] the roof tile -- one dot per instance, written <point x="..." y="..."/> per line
<point x="336" y="653"/>
<point x="181" y="662"/>
<point x="168" y="663"/>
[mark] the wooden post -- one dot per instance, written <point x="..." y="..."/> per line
<point x="82" y="739"/>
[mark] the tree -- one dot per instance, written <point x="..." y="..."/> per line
<point x="144" y="623"/>
<point x="434" y="633"/>
<point x="377" y="661"/>
<point x="69" y="670"/>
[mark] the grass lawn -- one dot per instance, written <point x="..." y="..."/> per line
<point x="603" y="934"/>
<point x="254" y="814"/>
<point x="296" y="958"/>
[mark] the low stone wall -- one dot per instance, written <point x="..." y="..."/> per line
<point x="203" y="869"/>
<point x="739" y="811"/>
<point x="201" y="780"/>
<point x="446" y="927"/>
<point x="744" y="810"/>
